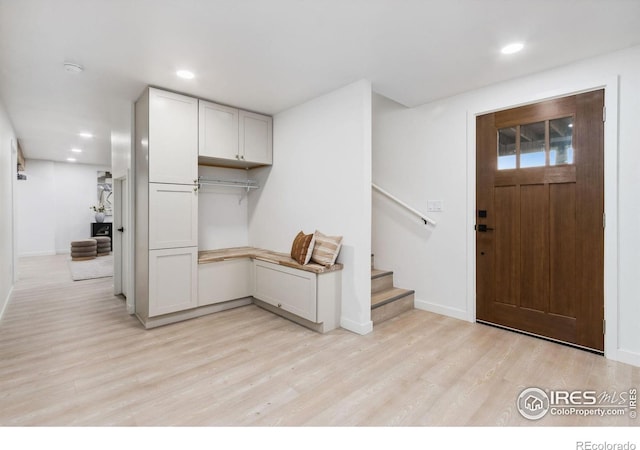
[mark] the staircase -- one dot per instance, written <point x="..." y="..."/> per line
<point x="387" y="301"/>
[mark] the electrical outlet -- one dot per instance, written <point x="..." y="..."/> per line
<point x="435" y="205"/>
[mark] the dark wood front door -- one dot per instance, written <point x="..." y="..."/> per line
<point x="539" y="219"/>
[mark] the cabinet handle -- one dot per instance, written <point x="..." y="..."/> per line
<point x="237" y="156"/>
<point x="195" y="189"/>
<point x="242" y="157"/>
<point x="279" y="305"/>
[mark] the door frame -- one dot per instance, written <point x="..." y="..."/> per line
<point x="512" y="98"/>
<point x="118" y="256"/>
<point x="122" y="245"/>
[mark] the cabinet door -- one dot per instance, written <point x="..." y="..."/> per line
<point x="223" y="281"/>
<point x="290" y="289"/>
<point x="173" y="280"/>
<point x="218" y="131"/>
<point x="173" y="137"/>
<point x="173" y="216"/>
<point x="256" y="138"/>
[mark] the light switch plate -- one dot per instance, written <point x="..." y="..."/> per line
<point x="435" y="205"/>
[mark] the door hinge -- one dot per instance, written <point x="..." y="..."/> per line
<point x="604" y="220"/>
<point x="604" y="326"/>
<point x="604" y="113"/>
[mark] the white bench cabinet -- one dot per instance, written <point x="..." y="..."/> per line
<point x="290" y="289"/>
<point x="223" y="281"/>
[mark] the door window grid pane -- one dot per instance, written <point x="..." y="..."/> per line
<point x="507" y="148"/>
<point x="539" y="144"/>
<point x="561" y="141"/>
<point x="532" y="145"/>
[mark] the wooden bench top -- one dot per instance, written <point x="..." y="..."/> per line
<point x="224" y="254"/>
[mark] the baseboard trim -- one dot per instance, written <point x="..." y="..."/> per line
<point x="317" y="327"/>
<point x="6" y="302"/>
<point x="28" y="254"/>
<point x="627" y="357"/>
<point x="443" y="310"/>
<point x="153" y="322"/>
<point x="356" y="327"/>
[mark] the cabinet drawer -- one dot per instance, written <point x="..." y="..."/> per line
<point x="290" y="289"/>
<point x="223" y="281"/>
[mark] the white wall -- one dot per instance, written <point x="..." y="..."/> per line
<point x="222" y="211"/>
<point x="122" y="121"/>
<point x="59" y="196"/>
<point x="36" y="210"/>
<point x="416" y="158"/>
<point x="428" y="152"/>
<point x="321" y="179"/>
<point x="7" y="184"/>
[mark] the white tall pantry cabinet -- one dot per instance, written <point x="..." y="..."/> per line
<point x="166" y="164"/>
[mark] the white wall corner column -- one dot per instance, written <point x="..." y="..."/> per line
<point x="331" y="133"/>
<point x="8" y="175"/>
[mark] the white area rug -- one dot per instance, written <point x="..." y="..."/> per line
<point x="100" y="267"/>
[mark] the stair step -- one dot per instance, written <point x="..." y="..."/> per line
<point x="377" y="273"/>
<point x="391" y="303"/>
<point x="387" y="301"/>
<point x="388" y="296"/>
<point x="381" y="280"/>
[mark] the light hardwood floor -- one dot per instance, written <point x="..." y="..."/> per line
<point x="70" y="355"/>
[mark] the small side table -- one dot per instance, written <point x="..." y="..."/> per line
<point x="102" y="229"/>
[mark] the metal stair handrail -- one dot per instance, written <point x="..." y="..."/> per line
<point x="426" y="219"/>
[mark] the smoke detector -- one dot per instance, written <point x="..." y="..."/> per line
<point x="73" y="67"/>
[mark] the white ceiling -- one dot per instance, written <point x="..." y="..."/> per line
<point x="270" y="55"/>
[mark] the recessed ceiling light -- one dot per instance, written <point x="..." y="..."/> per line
<point x="73" y="67"/>
<point x="512" y="48"/>
<point x="71" y="159"/>
<point x="85" y="135"/>
<point x="76" y="150"/>
<point x="186" y="74"/>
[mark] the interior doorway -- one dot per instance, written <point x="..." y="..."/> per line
<point x="539" y="219"/>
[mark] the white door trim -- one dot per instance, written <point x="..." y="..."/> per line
<point x="122" y="255"/>
<point x="117" y="236"/>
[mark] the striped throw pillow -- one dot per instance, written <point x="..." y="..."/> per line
<point x="326" y="249"/>
<point x="302" y="248"/>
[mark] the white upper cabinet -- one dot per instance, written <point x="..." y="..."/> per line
<point x="218" y="131"/>
<point x="173" y="137"/>
<point x="256" y="138"/>
<point x="231" y="137"/>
